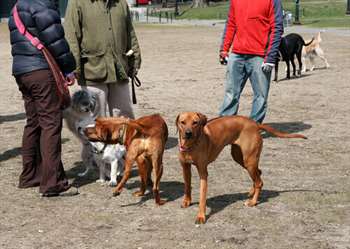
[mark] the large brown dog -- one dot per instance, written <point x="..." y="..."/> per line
<point x="200" y="143"/>
<point x="144" y="139"/>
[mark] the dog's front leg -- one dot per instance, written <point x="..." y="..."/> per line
<point x="114" y="166"/>
<point x="203" y="175"/>
<point x="102" y="169"/>
<point x="186" y="168"/>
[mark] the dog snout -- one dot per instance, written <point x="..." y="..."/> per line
<point x="188" y="134"/>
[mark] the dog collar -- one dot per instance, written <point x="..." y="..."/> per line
<point x="183" y="149"/>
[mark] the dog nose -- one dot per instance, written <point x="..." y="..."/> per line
<point x="188" y="134"/>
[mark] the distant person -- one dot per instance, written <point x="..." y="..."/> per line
<point x="252" y="33"/>
<point x="41" y="143"/>
<point x="106" y="50"/>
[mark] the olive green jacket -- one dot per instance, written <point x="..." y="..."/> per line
<point x="100" y="33"/>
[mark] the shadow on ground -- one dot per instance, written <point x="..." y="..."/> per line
<point x="12" y="117"/>
<point x="14" y="152"/>
<point x="220" y="202"/>
<point x="171" y="143"/>
<point x="90" y="177"/>
<point x="289" y="127"/>
<point x="293" y="78"/>
<point x="11" y="153"/>
<point x="169" y="191"/>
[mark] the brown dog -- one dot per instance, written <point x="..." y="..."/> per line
<point x="144" y="139"/>
<point x="200" y="143"/>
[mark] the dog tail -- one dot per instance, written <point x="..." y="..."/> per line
<point x="318" y="37"/>
<point x="279" y="133"/>
<point x="307" y="44"/>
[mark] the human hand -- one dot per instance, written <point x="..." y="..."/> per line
<point x="267" y="67"/>
<point x="71" y="78"/>
<point x="223" y="57"/>
<point x="133" y="72"/>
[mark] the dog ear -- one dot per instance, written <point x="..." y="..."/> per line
<point x="202" y="119"/>
<point x="177" y="123"/>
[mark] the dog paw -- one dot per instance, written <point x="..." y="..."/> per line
<point x="116" y="193"/>
<point x="138" y="193"/>
<point x="186" y="203"/>
<point x="200" y="219"/>
<point x="160" y="202"/>
<point x="112" y="183"/>
<point x="250" y="203"/>
<point x="101" y="181"/>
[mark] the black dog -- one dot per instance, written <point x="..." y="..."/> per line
<point x="291" y="44"/>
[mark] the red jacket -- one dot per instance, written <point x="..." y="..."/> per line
<point x="254" y="27"/>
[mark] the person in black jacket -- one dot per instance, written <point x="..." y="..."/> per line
<point x="41" y="143"/>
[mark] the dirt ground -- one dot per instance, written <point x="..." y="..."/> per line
<point x="305" y="201"/>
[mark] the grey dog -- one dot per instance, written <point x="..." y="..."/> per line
<point x="82" y="112"/>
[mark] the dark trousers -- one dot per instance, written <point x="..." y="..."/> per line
<point x="41" y="144"/>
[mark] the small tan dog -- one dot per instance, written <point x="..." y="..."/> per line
<point x="201" y="141"/>
<point x="312" y="51"/>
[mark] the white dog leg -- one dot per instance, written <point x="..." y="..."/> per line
<point x="114" y="166"/>
<point x="102" y="169"/>
<point x="303" y="70"/>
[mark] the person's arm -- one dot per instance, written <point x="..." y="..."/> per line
<point x="72" y="28"/>
<point x="135" y="61"/>
<point x="229" y="30"/>
<point x="276" y="31"/>
<point x="50" y="32"/>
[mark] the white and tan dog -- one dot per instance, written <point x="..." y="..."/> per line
<point x="312" y="51"/>
<point x="109" y="154"/>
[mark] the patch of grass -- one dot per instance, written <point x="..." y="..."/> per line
<point x="217" y="11"/>
<point x="318" y="13"/>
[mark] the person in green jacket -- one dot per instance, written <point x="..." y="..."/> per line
<point x="104" y="44"/>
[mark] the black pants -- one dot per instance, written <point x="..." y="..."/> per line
<point x="41" y="144"/>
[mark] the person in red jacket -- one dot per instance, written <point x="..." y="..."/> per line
<point x="253" y="33"/>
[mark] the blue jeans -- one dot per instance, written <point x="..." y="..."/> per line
<point x="240" y="67"/>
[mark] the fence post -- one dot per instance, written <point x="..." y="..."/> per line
<point x="160" y="17"/>
<point x="348" y="8"/>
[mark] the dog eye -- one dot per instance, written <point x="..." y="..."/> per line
<point x="195" y="122"/>
<point x="182" y="122"/>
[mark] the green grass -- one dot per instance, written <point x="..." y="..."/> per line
<point x="319" y="13"/>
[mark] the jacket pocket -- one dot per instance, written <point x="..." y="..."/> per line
<point x="94" y="67"/>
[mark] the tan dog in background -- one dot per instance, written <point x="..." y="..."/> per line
<point x="200" y="143"/>
<point x="312" y="51"/>
<point x="144" y="139"/>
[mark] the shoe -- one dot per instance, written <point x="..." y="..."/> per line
<point x="71" y="191"/>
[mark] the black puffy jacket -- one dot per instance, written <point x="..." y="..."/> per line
<point x="42" y="19"/>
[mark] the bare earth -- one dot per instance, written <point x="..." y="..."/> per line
<point x="305" y="201"/>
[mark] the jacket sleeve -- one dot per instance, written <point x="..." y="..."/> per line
<point x="51" y="33"/>
<point x="229" y="30"/>
<point x="133" y="42"/>
<point x="276" y="31"/>
<point x="72" y="28"/>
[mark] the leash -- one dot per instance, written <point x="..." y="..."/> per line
<point x="135" y="81"/>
